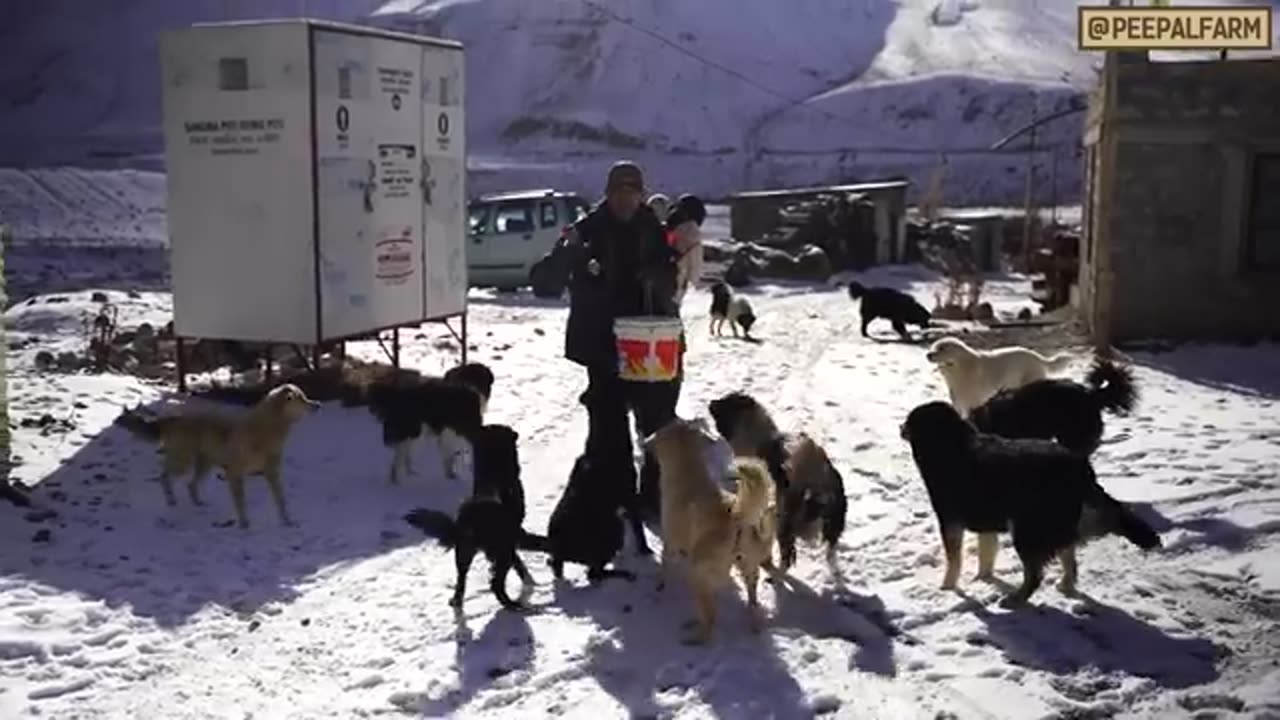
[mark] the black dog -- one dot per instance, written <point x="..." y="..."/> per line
<point x="490" y="520"/>
<point x="810" y="490"/>
<point x="404" y="404"/>
<point x="895" y="306"/>
<point x="585" y="527"/>
<point x="1047" y="496"/>
<point x="1060" y="409"/>
<point x="603" y="448"/>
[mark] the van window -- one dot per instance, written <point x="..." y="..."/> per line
<point x="549" y="215"/>
<point x="478" y="219"/>
<point x="514" y="218"/>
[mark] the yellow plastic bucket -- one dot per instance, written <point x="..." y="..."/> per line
<point x="648" y="348"/>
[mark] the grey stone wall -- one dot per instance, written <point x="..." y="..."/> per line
<point x="1185" y="133"/>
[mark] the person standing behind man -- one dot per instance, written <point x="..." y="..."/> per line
<point x="684" y="235"/>
<point x="620" y="266"/>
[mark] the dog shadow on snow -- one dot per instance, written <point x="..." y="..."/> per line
<point x="504" y="647"/>
<point x="840" y="613"/>
<point x="1201" y="531"/>
<point x="113" y="538"/>
<point x="637" y="653"/>
<point x="1097" y="635"/>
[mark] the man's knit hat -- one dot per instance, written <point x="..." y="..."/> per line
<point x="624" y="174"/>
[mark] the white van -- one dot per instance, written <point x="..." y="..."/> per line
<point x="509" y="232"/>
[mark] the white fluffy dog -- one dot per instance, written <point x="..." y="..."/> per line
<point x="973" y="376"/>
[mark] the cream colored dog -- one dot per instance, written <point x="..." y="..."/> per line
<point x="973" y="376"/>
<point x="710" y="529"/>
<point x="199" y="442"/>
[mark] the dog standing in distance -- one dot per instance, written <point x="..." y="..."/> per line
<point x="973" y="376"/>
<point x="490" y="521"/>
<point x="895" y="306"/>
<point x="199" y="442"/>
<point x="1060" y="409"/>
<point x="812" y="504"/>
<point x="727" y="306"/>
<point x="1047" y="496"/>
<point x="710" y="529"/>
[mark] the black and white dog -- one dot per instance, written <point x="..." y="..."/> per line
<point x="727" y="306"/>
<point x="812" y="504"/>
<point x="451" y="408"/>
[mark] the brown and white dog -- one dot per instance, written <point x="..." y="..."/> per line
<point x="812" y="504"/>
<point x="199" y="442"/>
<point x="710" y="529"/>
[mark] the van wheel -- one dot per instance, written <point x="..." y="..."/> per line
<point x="542" y="278"/>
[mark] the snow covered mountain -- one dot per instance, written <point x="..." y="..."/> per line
<point x="713" y="96"/>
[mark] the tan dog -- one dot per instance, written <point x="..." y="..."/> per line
<point x="710" y="529"/>
<point x="198" y="442"/>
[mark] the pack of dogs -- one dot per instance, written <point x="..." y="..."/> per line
<point x="1008" y="454"/>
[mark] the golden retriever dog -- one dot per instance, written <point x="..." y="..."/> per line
<point x="974" y="376"/>
<point x="709" y="529"/>
<point x="199" y="442"/>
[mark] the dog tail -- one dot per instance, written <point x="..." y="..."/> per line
<point x="755" y="490"/>
<point x="1113" y="516"/>
<point x="434" y="524"/>
<point x="533" y="542"/>
<point x="145" y="428"/>
<point x="856" y="289"/>
<point x="1113" y="386"/>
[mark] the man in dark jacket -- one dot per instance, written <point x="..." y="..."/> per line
<point x="620" y="266"/>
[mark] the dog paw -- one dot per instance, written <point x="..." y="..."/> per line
<point x="1068" y="589"/>
<point x="948" y="585"/>
<point x="988" y="577"/>
<point x="455" y="602"/>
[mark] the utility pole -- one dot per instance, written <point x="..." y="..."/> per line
<point x="1031" y="173"/>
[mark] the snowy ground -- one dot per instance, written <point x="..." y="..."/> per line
<point x="132" y="609"/>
